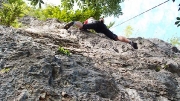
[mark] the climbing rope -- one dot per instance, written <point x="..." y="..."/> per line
<point x="141" y="13"/>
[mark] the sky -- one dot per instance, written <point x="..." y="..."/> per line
<point x="156" y="23"/>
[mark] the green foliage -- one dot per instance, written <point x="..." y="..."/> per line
<point x="177" y="22"/>
<point x="175" y="41"/>
<point x="104" y="7"/>
<point x="35" y="2"/>
<point x="110" y="24"/>
<point x="11" y="11"/>
<point x="178" y="18"/>
<point x="4" y="70"/>
<point x="165" y="66"/>
<point x="63" y="51"/>
<point x="63" y="14"/>
<point x="37" y="13"/>
<point x="158" y="68"/>
<point x="128" y="31"/>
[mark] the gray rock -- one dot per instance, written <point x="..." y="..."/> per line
<point x="31" y="68"/>
<point x="23" y="96"/>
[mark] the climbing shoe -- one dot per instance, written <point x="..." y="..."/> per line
<point x="67" y="26"/>
<point x="134" y="45"/>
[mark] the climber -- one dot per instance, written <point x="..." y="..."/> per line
<point x="100" y="27"/>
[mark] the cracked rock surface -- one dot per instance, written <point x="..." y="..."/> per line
<point x="98" y="69"/>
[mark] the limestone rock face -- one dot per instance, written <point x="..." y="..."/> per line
<point x="98" y="69"/>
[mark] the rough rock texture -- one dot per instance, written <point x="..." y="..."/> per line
<point x="98" y="69"/>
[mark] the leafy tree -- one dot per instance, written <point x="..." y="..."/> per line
<point x="63" y="14"/>
<point x="128" y="31"/>
<point x="11" y="11"/>
<point x="35" y="2"/>
<point x="104" y="7"/>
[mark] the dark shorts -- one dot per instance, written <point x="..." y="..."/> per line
<point x="100" y="27"/>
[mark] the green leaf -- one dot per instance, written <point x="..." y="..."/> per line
<point x="178" y="18"/>
<point x="178" y="25"/>
<point x="177" y="22"/>
<point x="41" y="1"/>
